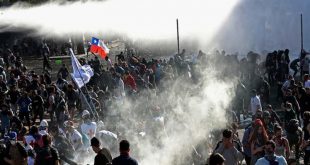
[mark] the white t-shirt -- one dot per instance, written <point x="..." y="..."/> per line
<point x="280" y="159"/>
<point x="89" y="129"/>
<point x="255" y="103"/>
<point x="75" y="138"/>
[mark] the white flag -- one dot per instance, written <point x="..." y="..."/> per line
<point x="81" y="74"/>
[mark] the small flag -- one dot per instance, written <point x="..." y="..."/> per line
<point x="81" y="74"/>
<point x="98" y="46"/>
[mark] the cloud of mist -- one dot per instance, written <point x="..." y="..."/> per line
<point x="146" y="19"/>
<point x="259" y="25"/>
<point x="191" y="113"/>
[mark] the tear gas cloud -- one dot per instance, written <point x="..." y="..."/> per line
<point x="191" y="112"/>
<point x="258" y="25"/>
<point x="136" y="18"/>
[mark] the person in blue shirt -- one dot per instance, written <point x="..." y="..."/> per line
<point x="23" y="104"/>
<point x="124" y="158"/>
<point x="270" y="158"/>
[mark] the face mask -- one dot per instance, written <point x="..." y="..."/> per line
<point x="288" y="109"/>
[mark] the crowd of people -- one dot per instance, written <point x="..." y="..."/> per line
<point x="47" y="121"/>
<point x="275" y="136"/>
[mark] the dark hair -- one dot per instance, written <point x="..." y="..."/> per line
<point x="272" y="143"/>
<point x="33" y="130"/>
<point x="277" y="128"/>
<point x="46" y="140"/>
<point x="227" y="133"/>
<point x="124" y="145"/>
<point x="216" y="159"/>
<point x="54" y="129"/>
<point x="94" y="142"/>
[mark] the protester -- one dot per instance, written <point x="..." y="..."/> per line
<point x="229" y="148"/>
<point x="47" y="155"/>
<point x="255" y="102"/>
<point x="270" y="158"/>
<point x="216" y="159"/>
<point x="63" y="145"/>
<point x="258" y="140"/>
<point x="282" y="145"/>
<point x="124" y="158"/>
<point x="103" y="155"/>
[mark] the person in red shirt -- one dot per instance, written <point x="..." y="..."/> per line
<point x="130" y="81"/>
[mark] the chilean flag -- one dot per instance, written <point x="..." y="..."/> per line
<point x="98" y="46"/>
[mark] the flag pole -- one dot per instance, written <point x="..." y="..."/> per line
<point x="84" y="97"/>
<point x="301" y="33"/>
<point x="178" y="40"/>
<point x="91" y="102"/>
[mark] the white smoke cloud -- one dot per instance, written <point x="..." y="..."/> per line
<point x="258" y="25"/>
<point x="191" y="112"/>
<point x="147" y="19"/>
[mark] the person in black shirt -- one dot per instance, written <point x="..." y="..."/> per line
<point x="103" y="156"/>
<point x="124" y="158"/>
<point x="37" y="106"/>
<point x="47" y="155"/>
<point x="274" y="116"/>
<point x="66" y="149"/>
<point x="14" y="95"/>
<point x="291" y="99"/>
<point x="306" y="139"/>
<point x="63" y="71"/>
<point x="3" y="86"/>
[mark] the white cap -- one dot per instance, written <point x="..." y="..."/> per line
<point x="85" y="112"/>
<point x="43" y="123"/>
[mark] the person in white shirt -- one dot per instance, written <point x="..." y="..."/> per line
<point x="255" y="103"/>
<point x="88" y="127"/>
<point x="270" y="158"/>
<point x="74" y="136"/>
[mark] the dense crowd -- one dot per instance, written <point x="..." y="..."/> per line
<point x="71" y="119"/>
